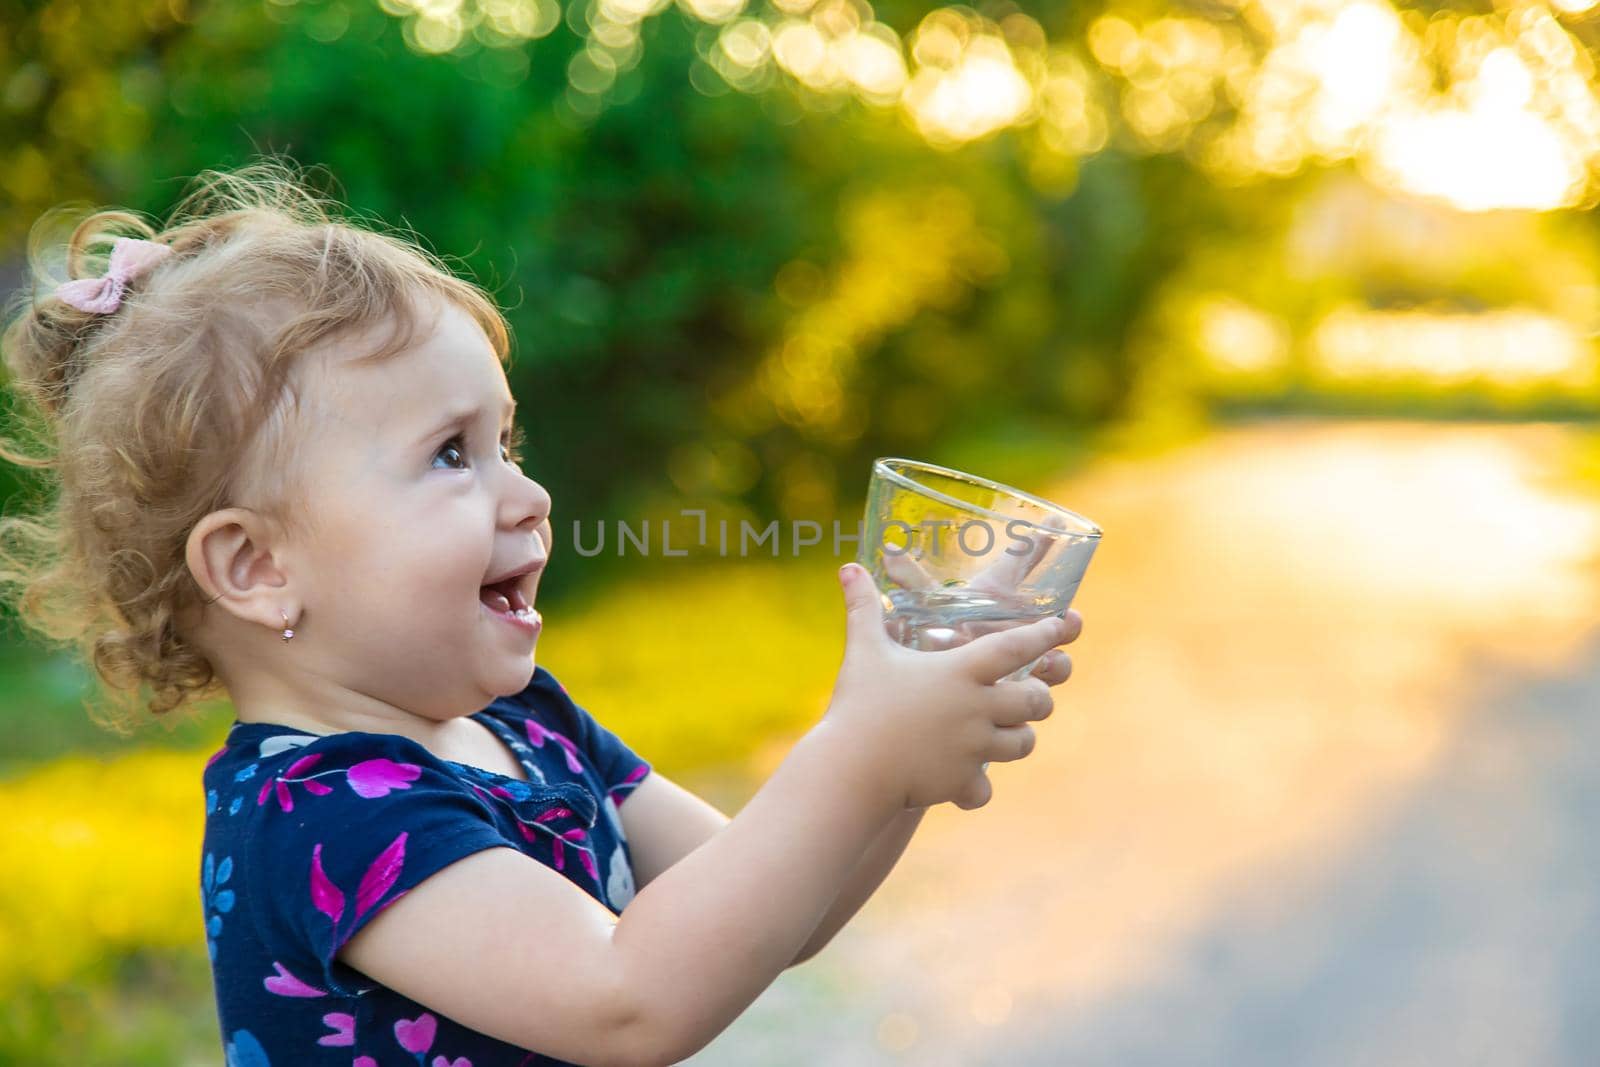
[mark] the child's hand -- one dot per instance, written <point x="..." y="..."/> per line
<point x="928" y="722"/>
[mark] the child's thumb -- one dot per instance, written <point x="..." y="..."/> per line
<point x="863" y="606"/>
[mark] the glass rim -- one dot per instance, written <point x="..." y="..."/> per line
<point x="1091" y="530"/>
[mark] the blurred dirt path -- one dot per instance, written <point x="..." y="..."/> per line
<point x="1321" y="791"/>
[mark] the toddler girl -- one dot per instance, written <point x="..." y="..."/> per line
<point x="284" y="469"/>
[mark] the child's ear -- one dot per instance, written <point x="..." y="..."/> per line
<point x="229" y="552"/>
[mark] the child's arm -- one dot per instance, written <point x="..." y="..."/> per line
<point x="864" y="881"/>
<point x="701" y="942"/>
<point x="664" y="822"/>
<point x="891" y="844"/>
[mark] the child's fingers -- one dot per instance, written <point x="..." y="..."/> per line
<point x="1074" y="625"/>
<point x="906" y="571"/>
<point x="979" y="627"/>
<point x="1011" y="743"/>
<point x="1012" y="568"/>
<point x="994" y="656"/>
<point x="977" y="794"/>
<point x="1023" y="701"/>
<point x="1054" y="668"/>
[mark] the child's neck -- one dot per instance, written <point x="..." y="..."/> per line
<point x="458" y="740"/>
<point x="362" y="714"/>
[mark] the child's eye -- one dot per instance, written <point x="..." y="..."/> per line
<point x="511" y="447"/>
<point x="453" y="447"/>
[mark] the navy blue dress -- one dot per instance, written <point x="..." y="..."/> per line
<point x="309" y="836"/>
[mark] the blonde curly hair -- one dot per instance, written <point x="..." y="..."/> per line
<point x="142" y="421"/>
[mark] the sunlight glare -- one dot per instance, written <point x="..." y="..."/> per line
<point x="1507" y="348"/>
<point x="980" y="92"/>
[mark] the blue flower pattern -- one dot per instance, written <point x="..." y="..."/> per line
<point x="519" y="790"/>
<point x="245" y="1051"/>
<point x="212" y="876"/>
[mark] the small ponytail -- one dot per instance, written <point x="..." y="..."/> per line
<point x="43" y="344"/>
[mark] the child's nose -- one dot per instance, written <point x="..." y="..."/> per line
<point x="527" y="504"/>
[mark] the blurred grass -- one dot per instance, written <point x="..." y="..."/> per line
<point x="151" y="1008"/>
<point x="102" y="860"/>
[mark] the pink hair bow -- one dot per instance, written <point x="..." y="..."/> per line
<point x="130" y="257"/>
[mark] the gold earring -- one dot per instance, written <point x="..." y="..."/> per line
<point x="287" y="633"/>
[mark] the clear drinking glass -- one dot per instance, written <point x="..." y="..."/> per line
<point x="956" y="556"/>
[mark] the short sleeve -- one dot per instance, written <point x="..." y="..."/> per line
<point x="345" y="825"/>
<point x="620" y="769"/>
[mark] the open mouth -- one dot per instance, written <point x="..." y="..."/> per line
<point x="509" y="599"/>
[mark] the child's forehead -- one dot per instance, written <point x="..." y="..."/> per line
<point x="445" y="368"/>
<point x="439" y="343"/>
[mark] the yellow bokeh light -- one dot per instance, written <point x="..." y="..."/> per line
<point x="524" y="19"/>
<point x="1115" y="42"/>
<point x="983" y="91"/>
<point x="747" y="43"/>
<point x="1071" y="121"/>
<point x="1517" y="125"/>
<point x="872" y="61"/>
<point x="1494" y="151"/>
<point x="1511" y="347"/>
<point x="902" y="254"/>
<point x="1360" y="61"/>
<point x="1238" y="338"/>
<point x="619" y="37"/>
<point x="837" y="19"/>
<point x="1486" y="112"/>
<point x="801" y="50"/>
<point x="626" y="12"/>
<point x="592" y="70"/>
<point x="1479" y="162"/>
<point x="1175" y="69"/>
<point x="433" y="9"/>
<point x="715" y="12"/>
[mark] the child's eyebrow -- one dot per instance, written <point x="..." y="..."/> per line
<point x="457" y="419"/>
